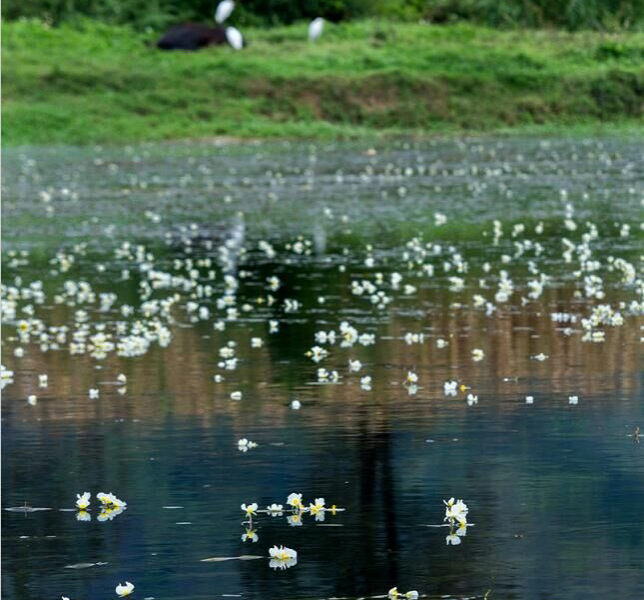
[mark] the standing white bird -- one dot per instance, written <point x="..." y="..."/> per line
<point x="315" y="28"/>
<point x="234" y="38"/>
<point x="224" y="9"/>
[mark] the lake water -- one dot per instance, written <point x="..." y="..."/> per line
<point x="187" y="237"/>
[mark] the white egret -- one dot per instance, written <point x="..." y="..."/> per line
<point x="315" y="28"/>
<point x="234" y="38"/>
<point x="224" y="9"/>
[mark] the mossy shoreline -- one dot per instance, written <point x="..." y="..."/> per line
<point x="95" y="83"/>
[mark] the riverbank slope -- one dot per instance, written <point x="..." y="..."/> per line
<point x="95" y="83"/>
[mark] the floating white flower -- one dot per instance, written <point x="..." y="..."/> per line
<point x="472" y="399"/>
<point x="250" y="509"/>
<point x="244" y="445"/>
<point x="394" y="594"/>
<point x="110" y="500"/>
<point x="6" y="376"/>
<point x="124" y="590"/>
<point x="93" y="393"/>
<point x="275" y="510"/>
<point x="365" y="383"/>
<point x="295" y="500"/>
<point x="236" y="396"/>
<point x="354" y="366"/>
<point x="42" y="380"/>
<point x="477" y="355"/>
<point x="456" y="511"/>
<point x="317" y="506"/>
<point x="317" y="353"/>
<point x="573" y="400"/>
<point x="450" y="388"/>
<point x="296" y="405"/>
<point x="411" y="378"/>
<point x="83" y="500"/>
<point x="282" y="557"/>
<point x="529" y="399"/>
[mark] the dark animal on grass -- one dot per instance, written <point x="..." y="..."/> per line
<point x="192" y="36"/>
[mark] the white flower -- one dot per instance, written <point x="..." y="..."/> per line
<point x="282" y="557"/>
<point x="365" y="383"/>
<point x="412" y="595"/>
<point x="441" y="343"/>
<point x="124" y="590"/>
<point x="236" y="396"/>
<point x="529" y="400"/>
<point x="295" y="500"/>
<point x="275" y="510"/>
<point x="411" y="377"/>
<point x="249" y="509"/>
<point x="450" y="388"/>
<point x="250" y="535"/>
<point x="296" y="405"/>
<point x="82" y="515"/>
<point x="317" y="507"/>
<point x="42" y="380"/>
<point x="82" y="501"/>
<point x="393" y="593"/>
<point x="245" y="445"/>
<point x="472" y="399"/>
<point x="573" y="399"/>
<point x="540" y="357"/>
<point x="110" y="500"/>
<point x="93" y="393"/>
<point x="256" y="342"/>
<point x="317" y="353"/>
<point x="6" y="376"/>
<point x="354" y="366"/>
<point x="32" y="400"/>
<point x="477" y="354"/>
<point x="456" y="511"/>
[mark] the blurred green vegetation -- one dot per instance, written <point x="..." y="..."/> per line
<point x="93" y="82"/>
<point x="608" y="15"/>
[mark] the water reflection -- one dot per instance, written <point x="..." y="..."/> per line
<point x="552" y="486"/>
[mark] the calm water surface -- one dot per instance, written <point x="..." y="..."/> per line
<point x="554" y="489"/>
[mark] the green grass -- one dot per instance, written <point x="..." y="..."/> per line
<point x="99" y="83"/>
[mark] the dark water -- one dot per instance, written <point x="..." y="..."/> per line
<point x="555" y="490"/>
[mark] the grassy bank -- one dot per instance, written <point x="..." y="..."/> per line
<point x="99" y="83"/>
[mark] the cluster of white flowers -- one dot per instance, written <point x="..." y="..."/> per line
<point x="244" y="445"/>
<point x="456" y="516"/>
<point x="111" y="506"/>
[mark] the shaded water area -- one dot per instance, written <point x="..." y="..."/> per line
<point x="157" y="264"/>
